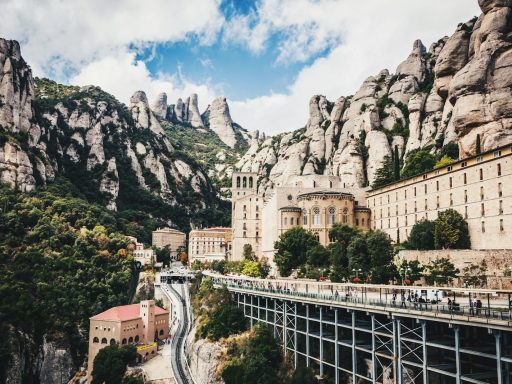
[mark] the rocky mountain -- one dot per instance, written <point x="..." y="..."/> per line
<point x="216" y="118"/>
<point x="457" y="90"/>
<point x="118" y="155"/>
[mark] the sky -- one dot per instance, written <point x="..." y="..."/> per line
<point x="267" y="57"/>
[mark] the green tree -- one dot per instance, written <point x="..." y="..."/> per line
<point x="385" y="174"/>
<point x="418" y="162"/>
<point x="478" y="144"/>
<point x="163" y="255"/>
<point x="343" y="234"/>
<point x="422" y="235"/>
<point x="318" y="256"/>
<point x="226" y="319"/>
<point x="445" y="160"/>
<point x="380" y="253"/>
<point x="440" y="271"/>
<point x="110" y="363"/>
<point x="251" y="268"/>
<point x="396" y="162"/>
<point x="451" y="150"/>
<point x="475" y="275"/>
<point x="357" y="252"/>
<point x="451" y="231"/>
<point x="412" y="270"/>
<point x="338" y="255"/>
<point x="291" y="248"/>
<point x="255" y="361"/>
<point x="303" y="375"/>
<point x="248" y="253"/>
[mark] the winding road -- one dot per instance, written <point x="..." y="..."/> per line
<point x="178" y="359"/>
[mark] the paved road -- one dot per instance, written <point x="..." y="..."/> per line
<point x="159" y="370"/>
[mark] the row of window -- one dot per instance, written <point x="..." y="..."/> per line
<point x="466" y="216"/>
<point x="451" y="202"/>
<point x="425" y="186"/>
<point x="244" y="181"/>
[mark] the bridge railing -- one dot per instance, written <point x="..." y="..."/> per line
<point x="499" y="310"/>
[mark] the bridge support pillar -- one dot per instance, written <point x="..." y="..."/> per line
<point x="374" y="360"/>
<point x="425" y="353"/>
<point x="399" y="372"/>
<point x="321" y="343"/>
<point x="457" y="354"/>
<point x="252" y="311"/>
<point x="354" y="362"/>
<point x="497" y="335"/>
<point x="307" y="335"/>
<point x="295" y="346"/>
<point x="336" y="349"/>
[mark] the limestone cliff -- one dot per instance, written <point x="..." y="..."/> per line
<point x="457" y="89"/>
<point x="112" y="152"/>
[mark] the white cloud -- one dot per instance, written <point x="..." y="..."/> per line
<point x="94" y="42"/>
<point x="121" y="74"/>
<point x="375" y="34"/>
<point x="77" y="33"/>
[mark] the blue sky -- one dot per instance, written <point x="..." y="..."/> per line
<point x="268" y="57"/>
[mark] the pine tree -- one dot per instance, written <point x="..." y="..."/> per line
<point x="478" y="145"/>
<point x="396" y="159"/>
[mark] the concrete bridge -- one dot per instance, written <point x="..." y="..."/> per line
<point x="363" y="333"/>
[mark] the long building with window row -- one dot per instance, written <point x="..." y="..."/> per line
<point x="479" y="188"/>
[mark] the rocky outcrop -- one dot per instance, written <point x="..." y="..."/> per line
<point x="86" y="135"/>
<point x="204" y="358"/>
<point x="194" y="117"/>
<point x="219" y="120"/>
<point x="460" y="88"/>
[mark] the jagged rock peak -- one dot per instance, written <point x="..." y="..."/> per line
<point x="139" y="97"/>
<point x="194" y="117"/>
<point x="218" y="117"/>
<point x="159" y="106"/>
<point x="418" y="47"/>
<point x="487" y="5"/>
<point x="10" y="48"/>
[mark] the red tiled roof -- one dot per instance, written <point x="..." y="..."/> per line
<point x="125" y="312"/>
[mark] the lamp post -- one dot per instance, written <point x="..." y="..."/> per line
<point x="356" y="272"/>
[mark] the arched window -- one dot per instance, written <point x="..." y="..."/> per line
<point x="304" y="217"/>
<point x="130" y="340"/>
<point x="238" y="182"/>
<point x="285" y="221"/>
<point x="317" y="236"/>
<point x="95" y="340"/>
<point x="345" y="216"/>
<point x="137" y="338"/>
<point x="332" y="213"/>
<point x="314" y="184"/>
<point x="124" y="341"/>
<point x="104" y="340"/>
<point x="330" y="184"/>
<point x="161" y="332"/>
<point x="291" y="221"/>
<point x="316" y="216"/>
<point x="112" y="341"/>
<point x="250" y="182"/>
<point x="244" y="182"/>
<point x="152" y="352"/>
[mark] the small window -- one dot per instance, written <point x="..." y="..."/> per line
<point x="481" y="171"/>
<point x="501" y="225"/>
<point x="465" y="196"/>
<point x="464" y="164"/>
<point x="451" y="199"/>
<point x="291" y="221"/>
<point x="499" y="169"/>
<point x="436" y="172"/>
<point x="137" y="338"/>
<point x="345" y="216"/>
<point x="500" y="207"/>
<point x="482" y="193"/>
<point x="316" y="216"/>
<point x="451" y="182"/>
<point x="466" y="212"/>
<point x="96" y="340"/>
<point x="465" y="179"/>
<point x="332" y="213"/>
<point x="112" y="342"/>
<point x="437" y="185"/>
<point x="424" y="176"/>
<point x="437" y="202"/>
<point x="497" y="154"/>
<point x="285" y="221"/>
<point x="426" y="204"/>
<point x="104" y="340"/>
<point x="414" y="191"/>
<point x="425" y="189"/>
<point x="500" y="192"/>
<point x="483" y="226"/>
<point x="357" y="222"/>
<point x="449" y="168"/>
<point x="479" y="159"/>
<point x="482" y="209"/>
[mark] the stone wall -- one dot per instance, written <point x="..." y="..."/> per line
<point x="497" y="262"/>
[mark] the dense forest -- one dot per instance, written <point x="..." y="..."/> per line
<point x="62" y="259"/>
